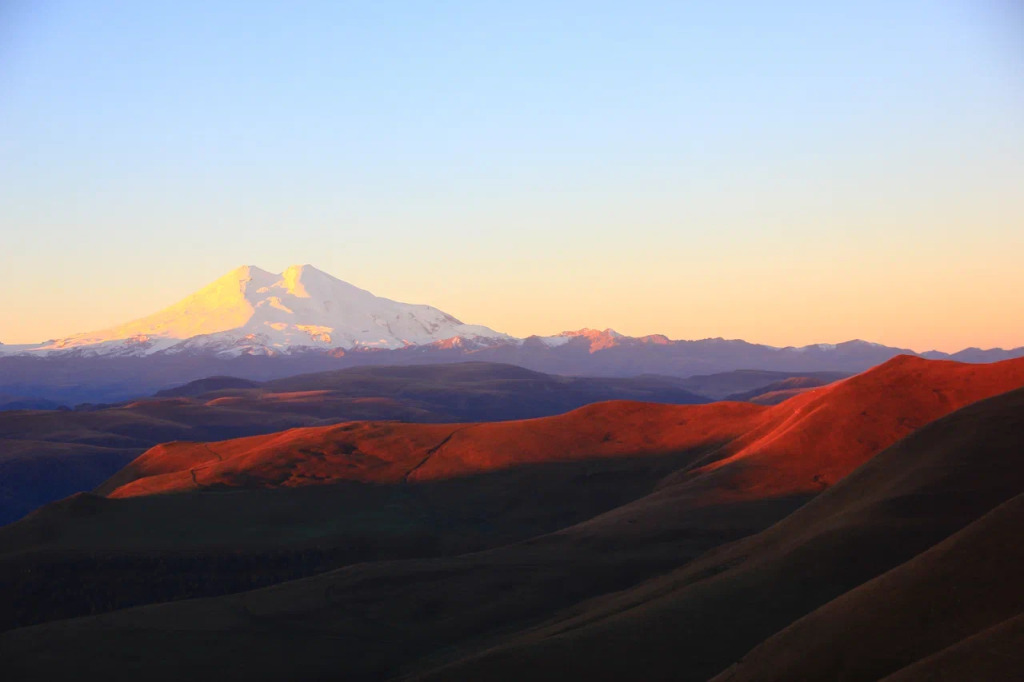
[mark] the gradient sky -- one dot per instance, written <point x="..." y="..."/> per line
<point x="785" y="172"/>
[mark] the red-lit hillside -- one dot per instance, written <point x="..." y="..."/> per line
<point x="391" y="452"/>
<point x="750" y="451"/>
<point x="819" y="436"/>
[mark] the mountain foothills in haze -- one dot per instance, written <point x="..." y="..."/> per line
<point x="47" y="454"/>
<point x="257" y="325"/>
<point x="861" y="530"/>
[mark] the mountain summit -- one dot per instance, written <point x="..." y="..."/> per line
<point x="252" y="311"/>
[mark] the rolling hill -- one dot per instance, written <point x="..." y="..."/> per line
<point x="49" y="454"/>
<point x="798" y="447"/>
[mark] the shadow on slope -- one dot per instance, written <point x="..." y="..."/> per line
<point x="962" y="586"/>
<point x="46" y="455"/>
<point x="89" y="554"/>
<point x="694" y="622"/>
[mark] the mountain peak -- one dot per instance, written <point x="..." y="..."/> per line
<point x="304" y="270"/>
<point x="243" y="272"/>
<point x="594" y="333"/>
<point x="250" y="310"/>
<point x="598" y="339"/>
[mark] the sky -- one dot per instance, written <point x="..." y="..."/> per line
<point x="787" y="173"/>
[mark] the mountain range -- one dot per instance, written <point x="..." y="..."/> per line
<point x="256" y="325"/>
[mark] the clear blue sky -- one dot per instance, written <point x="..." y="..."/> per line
<point x="786" y="172"/>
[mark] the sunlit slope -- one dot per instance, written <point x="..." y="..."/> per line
<point x="47" y="454"/>
<point x="798" y="447"/>
<point x="382" y="452"/>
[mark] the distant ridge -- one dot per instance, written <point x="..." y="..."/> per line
<point x="250" y="311"/>
<point x="256" y="325"/>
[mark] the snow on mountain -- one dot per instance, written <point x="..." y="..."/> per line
<point x="252" y="311"/>
<point x="595" y="338"/>
<point x="303" y="311"/>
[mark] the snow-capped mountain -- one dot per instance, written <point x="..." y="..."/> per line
<point x="258" y="325"/>
<point x="255" y="312"/>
